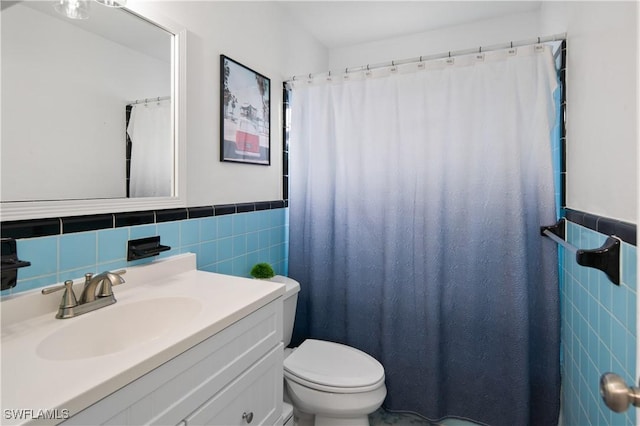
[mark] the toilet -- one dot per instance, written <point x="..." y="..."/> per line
<point x="328" y="384"/>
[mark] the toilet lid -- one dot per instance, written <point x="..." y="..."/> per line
<point x="332" y="364"/>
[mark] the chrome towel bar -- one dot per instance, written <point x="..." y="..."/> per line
<point x="605" y="258"/>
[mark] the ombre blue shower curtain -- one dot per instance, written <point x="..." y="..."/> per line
<point x="416" y="198"/>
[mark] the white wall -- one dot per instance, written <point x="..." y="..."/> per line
<point x="64" y="92"/>
<point x="602" y="111"/>
<point x="258" y="35"/>
<point x="481" y="33"/>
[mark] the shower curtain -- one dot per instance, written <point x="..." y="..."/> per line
<point x="151" y="149"/>
<point x="416" y="198"/>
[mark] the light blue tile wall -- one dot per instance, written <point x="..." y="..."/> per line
<point x="229" y="244"/>
<point x="557" y="153"/>
<point x="598" y="331"/>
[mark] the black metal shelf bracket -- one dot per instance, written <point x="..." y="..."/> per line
<point x="145" y="247"/>
<point x="605" y="258"/>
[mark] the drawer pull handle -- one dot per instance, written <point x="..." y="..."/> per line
<point x="247" y="417"/>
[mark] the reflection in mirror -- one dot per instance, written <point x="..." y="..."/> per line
<point x="87" y="105"/>
<point x="149" y="148"/>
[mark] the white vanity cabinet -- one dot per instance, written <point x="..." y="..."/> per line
<point x="231" y="378"/>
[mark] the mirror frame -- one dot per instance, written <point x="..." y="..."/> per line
<point x="23" y="210"/>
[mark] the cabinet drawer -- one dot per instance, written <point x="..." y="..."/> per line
<point x="254" y="398"/>
<point x="169" y="393"/>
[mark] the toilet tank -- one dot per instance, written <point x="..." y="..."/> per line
<point x="292" y="287"/>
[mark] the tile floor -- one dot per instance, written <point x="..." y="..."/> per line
<point x="383" y="417"/>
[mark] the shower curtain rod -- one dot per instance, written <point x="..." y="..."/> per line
<point x="147" y="100"/>
<point x="449" y="54"/>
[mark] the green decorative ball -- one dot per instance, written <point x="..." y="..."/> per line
<point x="262" y="271"/>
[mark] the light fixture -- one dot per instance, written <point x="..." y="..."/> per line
<point x="79" y="9"/>
<point x="113" y="3"/>
<point x="74" y="9"/>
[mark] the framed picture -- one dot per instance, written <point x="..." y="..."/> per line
<point x="245" y="114"/>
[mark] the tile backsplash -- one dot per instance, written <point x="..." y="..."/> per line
<point x="230" y="243"/>
<point x="598" y="330"/>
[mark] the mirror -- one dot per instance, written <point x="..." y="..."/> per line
<point x="90" y="111"/>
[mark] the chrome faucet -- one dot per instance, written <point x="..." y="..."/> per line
<point x="90" y="300"/>
<point x="106" y="280"/>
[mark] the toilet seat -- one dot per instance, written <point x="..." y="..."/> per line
<point x="332" y="367"/>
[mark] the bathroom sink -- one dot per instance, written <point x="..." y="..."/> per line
<point x="117" y="327"/>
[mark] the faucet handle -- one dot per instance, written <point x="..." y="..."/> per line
<point x="53" y="289"/>
<point x="68" y="298"/>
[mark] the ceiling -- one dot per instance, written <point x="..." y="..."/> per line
<point x="335" y="23"/>
<point x="345" y="23"/>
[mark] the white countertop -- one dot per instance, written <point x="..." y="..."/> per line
<point x="31" y="382"/>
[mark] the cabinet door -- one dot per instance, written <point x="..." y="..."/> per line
<point x="254" y="398"/>
<point x="172" y="391"/>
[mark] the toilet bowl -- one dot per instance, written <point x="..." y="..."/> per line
<point x="328" y="384"/>
<point x="334" y="383"/>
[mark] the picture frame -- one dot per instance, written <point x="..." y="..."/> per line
<point x="245" y="114"/>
